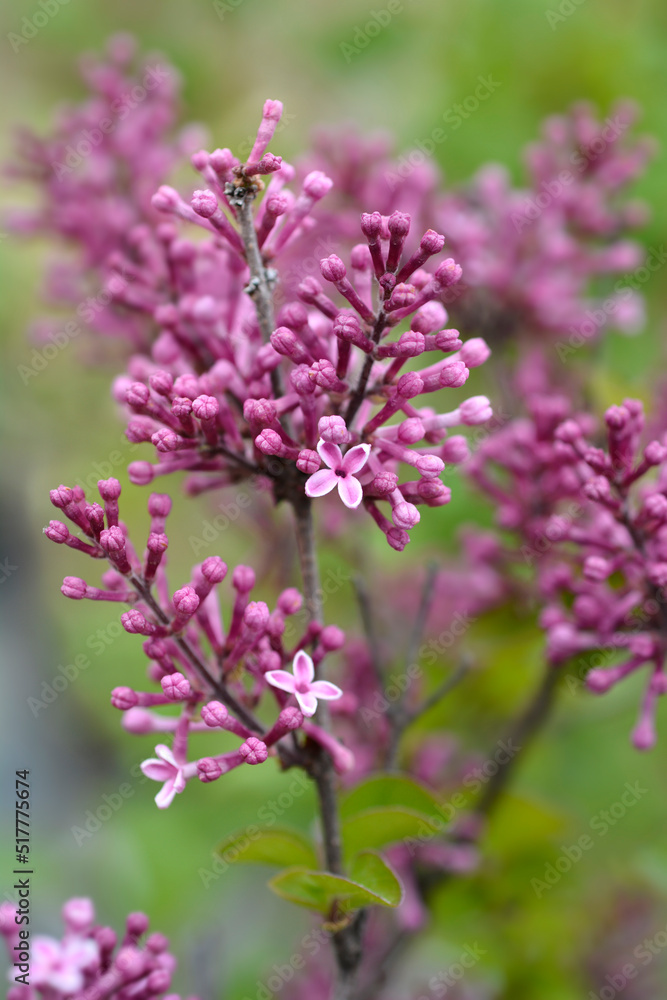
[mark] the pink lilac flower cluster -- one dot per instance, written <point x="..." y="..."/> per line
<point x="554" y="258"/>
<point x="549" y="260"/>
<point x="591" y="522"/>
<point x="215" y="677"/>
<point x="609" y="589"/>
<point x="97" y="174"/>
<point x="228" y="392"/>
<point x="89" y="962"/>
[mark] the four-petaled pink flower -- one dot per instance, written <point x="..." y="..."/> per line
<point x="302" y="684"/>
<point x="341" y="472"/>
<point x="60" y="965"/>
<point x="165" y="768"/>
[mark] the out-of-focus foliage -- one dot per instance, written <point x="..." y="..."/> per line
<point x="61" y="426"/>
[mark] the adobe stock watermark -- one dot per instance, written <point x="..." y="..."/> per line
<point x="597" y="318"/>
<point x="645" y="953"/>
<point x="599" y="825"/>
<point x="564" y="10"/>
<point x="89" y="138"/>
<point x="66" y="674"/>
<point x="86" y="310"/>
<point x="223" y="7"/>
<point x="453" y="118"/>
<point x="267" y="815"/>
<point x="7" y="569"/>
<point x="94" y="819"/>
<point x="31" y="26"/>
<point x="440" y="984"/>
<point x="398" y="683"/>
<point x="473" y="782"/>
<point x="552" y="190"/>
<point x="283" y="973"/>
<point x="365" y="33"/>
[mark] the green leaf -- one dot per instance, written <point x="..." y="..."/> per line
<point x="281" y="847"/>
<point x="330" y="894"/>
<point x="384" y="825"/>
<point x="390" y="790"/>
<point x="373" y="872"/>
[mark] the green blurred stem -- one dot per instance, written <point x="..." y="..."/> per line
<point x="346" y="942"/>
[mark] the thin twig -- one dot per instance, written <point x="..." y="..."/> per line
<point x="399" y="717"/>
<point x="357" y="397"/>
<point x="259" y="287"/>
<point x="441" y="691"/>
<point x="521" y="734"/>
<point x="220" y="689"/>
<point x="368" y="622"/>
<point x="346" y="943"/>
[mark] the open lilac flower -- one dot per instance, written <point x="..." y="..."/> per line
<point x="61" y="965"/>
<point x="341" y="472"/>
<point x="165" y="768"/>
<point x="302" y="683"/>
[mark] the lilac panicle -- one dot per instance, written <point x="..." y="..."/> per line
<point x="216" y="676"/>
<point x="89" y="962"/>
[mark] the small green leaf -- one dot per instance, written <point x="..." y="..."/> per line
<point x="328" y="893"/>
<point x="390" y="790"/>
<point x="280" y="847"/>
<point x="381" y="826"/>
<point x="373" y="872"/>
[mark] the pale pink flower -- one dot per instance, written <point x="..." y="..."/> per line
<point x="302" y="684"/>
<point x="165" y="768"/>
<point x="341" y="472"/>
<point x="60" y="965"/>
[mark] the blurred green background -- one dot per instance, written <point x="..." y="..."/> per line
<point x="229" y="933"/>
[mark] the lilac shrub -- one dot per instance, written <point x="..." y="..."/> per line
<point x="287" y="326"/>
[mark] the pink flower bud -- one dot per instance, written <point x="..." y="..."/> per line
<point x="290" y="601"/>
<point x="308" y="461"/>
<point x="78" y="915"/>
<point x="334" y="430"/>
<point x="215" y="714"/>
<point x="176" y="687"/>
<point x="136" y="624"/>
<point x="140" y="473"/>
<point x="476" y="410"/>
<point x="57" y="532"/>
<point x="159" y="504"/>
<point x="429" y="466"/>
<point x="405" y="515"/>
<point x="409" y="385"/>
<point x="253" y="751"/>
<point x="331" y="638"/>
<point x="333" y="268"/>
<point x="214" y="569"/>
<point x="243" y="579"/>
<point x="204" y="203"/>
<point x="256" y="616"/>
<point x="260" y="412"/>
<point x="74" y="587"/>
<point x="185" y="602"/>
<point x="448" y="273"/>
<point x="316" y="184"/>
<point x="371" y="225"/>
<point x="208" y="769"/>
<point x="124" y="698"/>
<point x="475" y="352"/>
